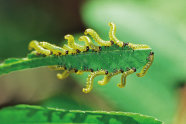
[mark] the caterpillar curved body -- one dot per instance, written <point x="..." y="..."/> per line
<point x="109" y="58"/>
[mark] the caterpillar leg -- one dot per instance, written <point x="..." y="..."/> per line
<point x="65" y="74"/>
<point x="147" y="66"/>
<point x="90" y="79"/>
<point x="53" y="48"/>
<point x="96" y="37"/>
<point x="35" y="45"/>
<point x="112" y="35"/>
<point x="124" y="76"/>
<point x="107" y="78"/>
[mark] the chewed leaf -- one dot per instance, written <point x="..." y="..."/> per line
<point x="30" y="114"/>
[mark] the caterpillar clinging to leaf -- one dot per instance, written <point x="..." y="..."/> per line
<point x="110" y="58"/>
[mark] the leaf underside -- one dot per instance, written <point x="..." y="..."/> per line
<point x="27" y="113"/>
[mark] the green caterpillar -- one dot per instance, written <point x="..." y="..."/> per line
<point x="109" y="58"/>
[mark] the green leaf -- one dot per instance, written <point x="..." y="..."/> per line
<point x="90" y="59"/>
<point x="31" y="114"/>
<point x="65" y="101"/>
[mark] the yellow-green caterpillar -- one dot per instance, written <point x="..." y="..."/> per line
<point x="110" y="58"/>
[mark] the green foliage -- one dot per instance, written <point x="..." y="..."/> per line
<point x="107" y="58"/>
<point x="30" y="114"/>
<point x="160" y="24"/>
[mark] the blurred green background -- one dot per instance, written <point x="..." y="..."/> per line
<point x="160" y="24"/>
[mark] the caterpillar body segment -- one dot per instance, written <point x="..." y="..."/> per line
<point x="40" y="50"/>
<point x="65" y="74"/>
<point x="147" y="66"/>
<point x="124" y="76"/>
<point x="96" y="37"/>
<point x="69" y="49"/>
<point x="73" y="45"/>
<point x="53" y="48"/>
<point x="90" y="80"/>
<point x="89" y="43"/>
<point x="112" y="35"/>
<point x="107" y="77"/>
<point x="110" y="58"/>
<point x="138" y="46"/>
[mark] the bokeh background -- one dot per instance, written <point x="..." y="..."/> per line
<point x="160" y="24"/>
